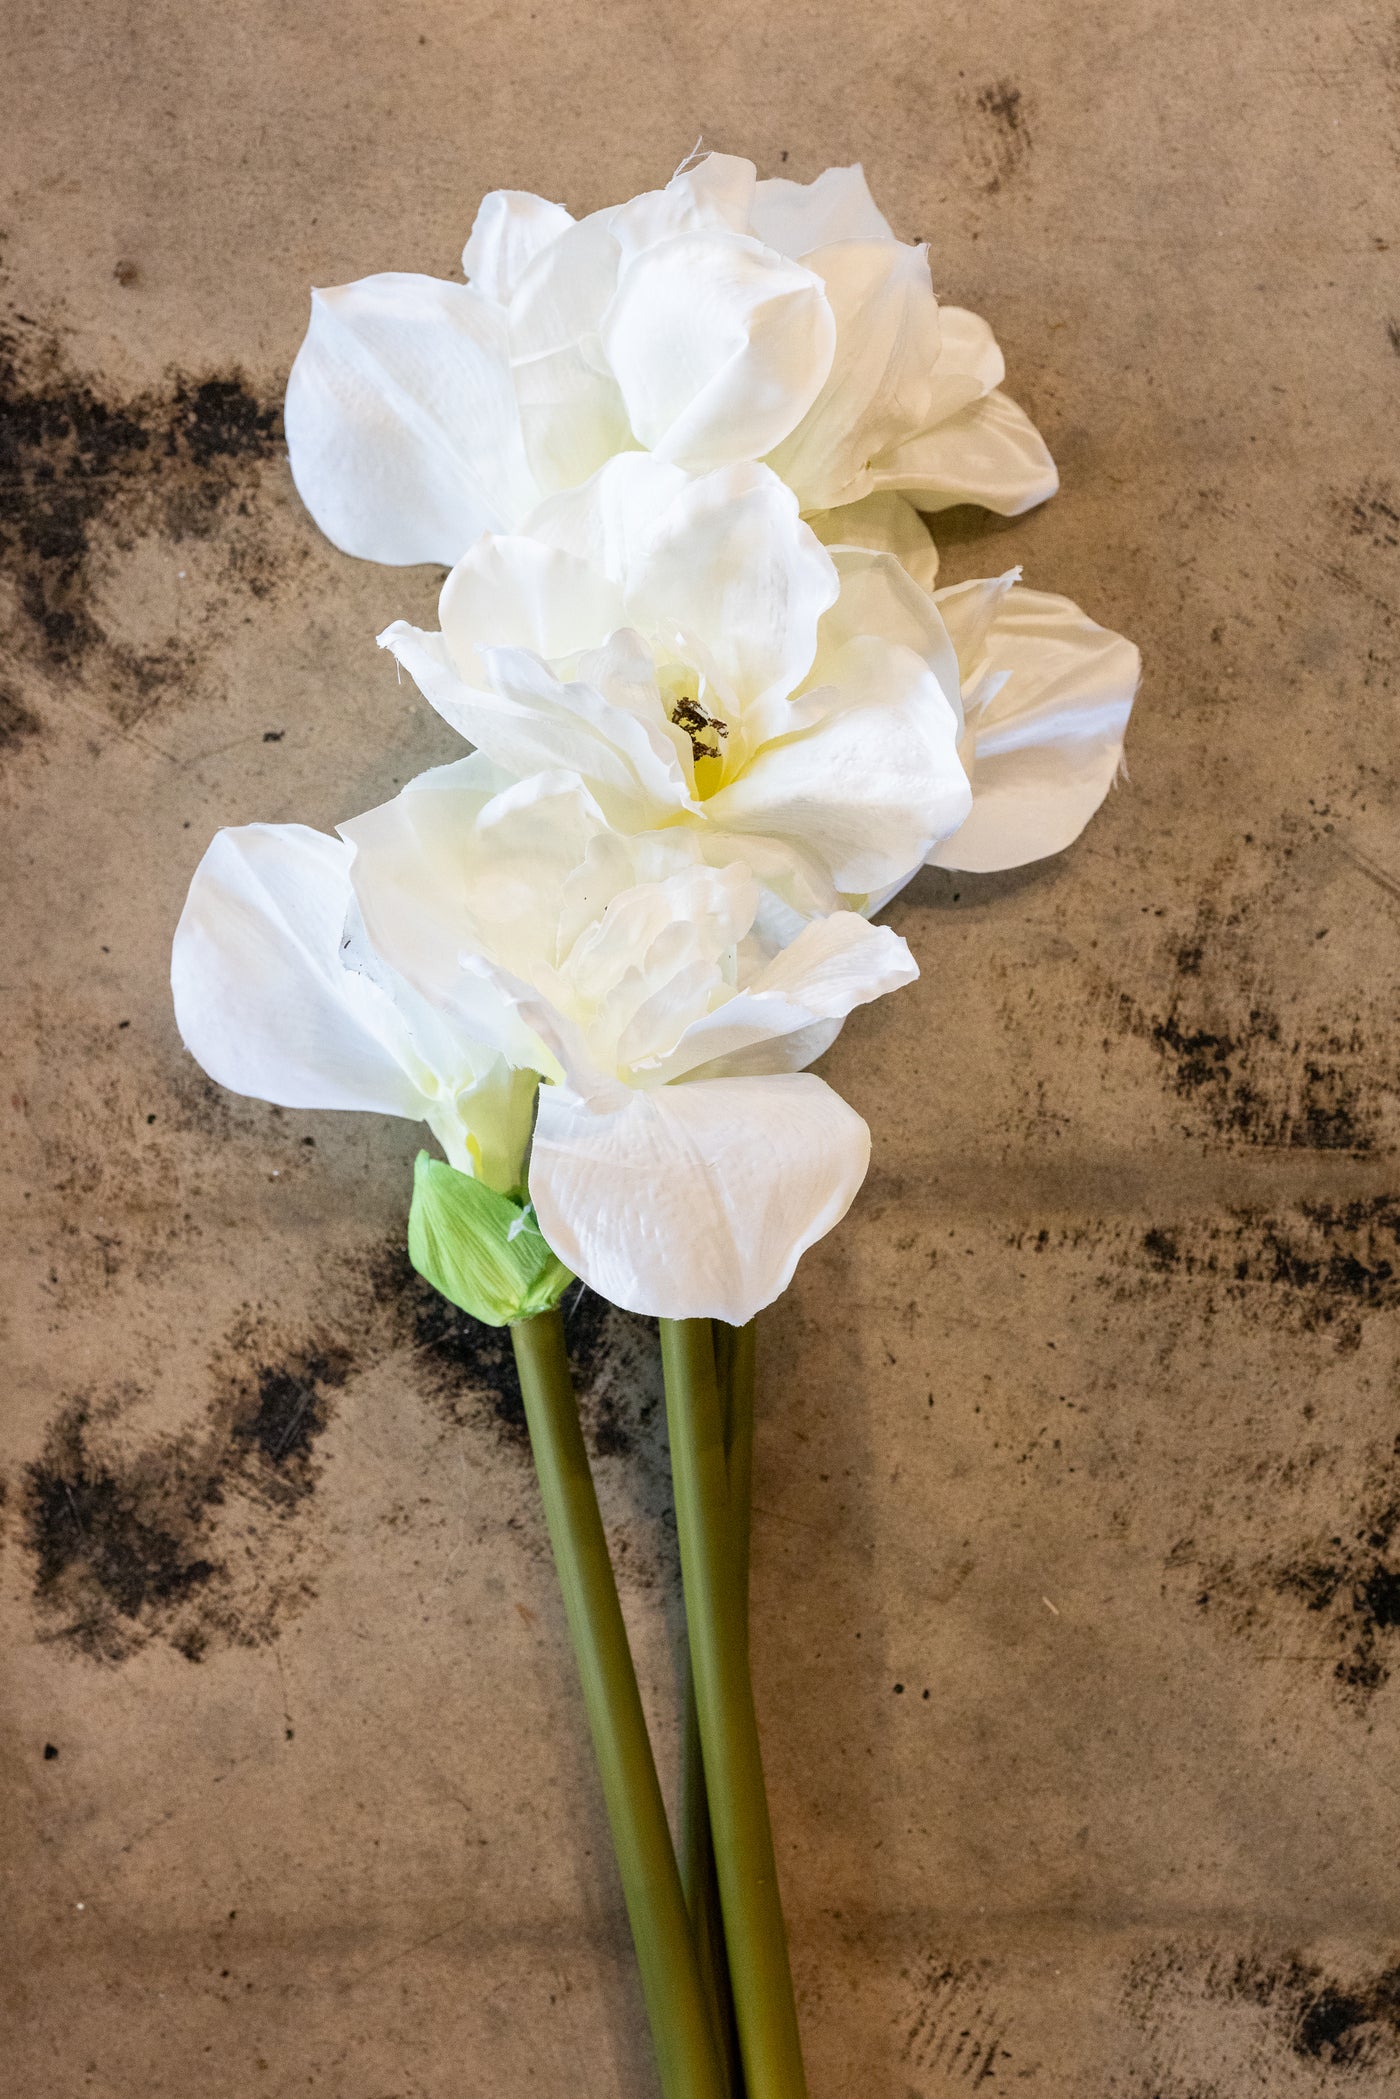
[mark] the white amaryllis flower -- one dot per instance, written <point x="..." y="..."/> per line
<point x="688" y="648"/>
<point x="717" y="321"/>
<point x="468" y="933"/>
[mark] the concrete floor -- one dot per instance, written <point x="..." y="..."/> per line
<point x="1077" y="1572"/>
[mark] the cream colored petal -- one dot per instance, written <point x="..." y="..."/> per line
<point x="989" y="453"/>
<point x="695" y="1201"/>
<point x="887" y="524"/>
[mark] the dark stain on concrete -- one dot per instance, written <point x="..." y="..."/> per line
<point x="1246" y="1070"/>
<point x="18" y="723"/>
<point x="467" y="1370"/>
<point x="1345" y="1581"/>
<point x="82" y="474"/>
<point x="957" y="2029"/>
<point x="1372" y="514"/>
<point x="1322" y="1267"/>
<point x="1319" y="2018"/>
<point x="175" y="1537"/>
<point x="997" y="133"/>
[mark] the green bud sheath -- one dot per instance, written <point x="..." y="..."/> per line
<point x="483" y="1251"/>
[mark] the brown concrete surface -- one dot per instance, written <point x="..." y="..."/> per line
<point x="1077" y="1578"/>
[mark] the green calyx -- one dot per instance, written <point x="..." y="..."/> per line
<point x="485" y="1252"/>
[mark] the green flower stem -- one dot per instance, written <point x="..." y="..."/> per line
<point x="712" y="1569"/>
<point x="734" y="1368"/>
<point x="686" y="2051"/>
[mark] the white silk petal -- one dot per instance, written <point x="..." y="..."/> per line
<point x="510" y="229"/>
<point x="533" y="722"/>
<point x="735" y="578"/>
<point x="870" y="788"/>
<point x="402" y="426"/>
<point x="1047" y="743"/>
<point x="428" y="661"/>
<point x="262" y="1000"/>
<point x="989" y="453"/>
<point x="719" y="347"/>
<point x="449" y="866"/>
<point x="968" y="612"/>
<point x="695" y="1201"/>
<point x="881" y="384"/>
<point x="834" y="965"/>
<point x="969" y="365"/>
<point x="512" y="592"/>
<point x="887" y="524"/>
<point x="878" y="596"/>
<point x="572" y="415"/>
<point x="608" y="521"/>
<point x="795" y="217"/>
<point x="713" y="196"/>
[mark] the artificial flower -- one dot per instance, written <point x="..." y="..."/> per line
<point x="471" y="937"/>
<point x="688" y="648"/>
<point x="717" y="321"/>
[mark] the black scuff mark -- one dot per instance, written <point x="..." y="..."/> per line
<point x="178" y="1538"/>
<point x="1345" y="1583"/>
<point x="84" y="474"/>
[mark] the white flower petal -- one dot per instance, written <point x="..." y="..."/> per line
<point x="735" y="578"/>
<point x="533" y="721"/>
<point x="402" y="426"/>
<point x="510" y="228"/>
<point x="718" y="345"/>
<point x="873" y="785"/>
<point x="795" y="217"/>
<point x="449" y="866"/>
<point x="428" y="661"/>
<point x="1048" y="739"/>
<point x="572" y="414"/>
<point x="695" y="1201"/>
<point x="512" y="592"/>
<point x="878" y="596"/>
<point x="834" y="965"/>
<point x="713" y="196"/>
<point x="881" y="383"/>
<point x="989" y="453"/>
<point x="969" y="365"/>
<point x="887" y="524"/>
<point x="609" y="520"/>
<point x="261" y="997"/>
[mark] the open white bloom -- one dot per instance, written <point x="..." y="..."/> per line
<point x="688" y="648"/>
<point x="717" y="321"/>
<point x="471" y="935"/>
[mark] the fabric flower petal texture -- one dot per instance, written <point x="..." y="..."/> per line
<point x="716" y="322"/>
<point x="466" y="940"/>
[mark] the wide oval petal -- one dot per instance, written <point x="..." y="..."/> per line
<point x="515" y="593"/>
<point x="732" y="576"/>
<point x="1045" y="743"/>
<point x="719" y="347"/>
<point x="989" y="453"/>
<point x="695" y="1201"/>
<point x="402" y="426"/>
<point x="262" y="1000"/>
<point x="880" y="387"/>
